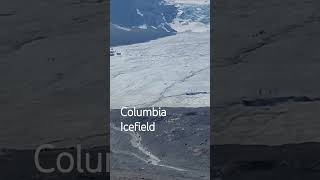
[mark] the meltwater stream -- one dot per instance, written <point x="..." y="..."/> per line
<point x="136" y="142"/>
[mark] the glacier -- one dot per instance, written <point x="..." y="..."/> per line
<point x="167" y="62"/>
<point x="173" y="71"/>
<point x="161" y="59"/>
<point x="192" y="15"/>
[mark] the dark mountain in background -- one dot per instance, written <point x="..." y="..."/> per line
<point x="134" y="21"/>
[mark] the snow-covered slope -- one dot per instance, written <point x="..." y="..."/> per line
<point x="171" y="72"/>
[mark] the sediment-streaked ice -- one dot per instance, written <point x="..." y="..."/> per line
<point x="169" y="72"/>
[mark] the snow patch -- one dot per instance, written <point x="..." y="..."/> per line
<point x="122" y="28"/>
<point x="139" y="13"/>
<point x="164" y="27"/>
<point x="144" y="26"/>
<point x="189" y="26"/>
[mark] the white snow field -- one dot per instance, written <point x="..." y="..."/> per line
<point x="169" y="72"/>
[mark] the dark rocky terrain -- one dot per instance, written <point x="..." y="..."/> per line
<point x="178" y="149"/>
<point x="136" y="21"/>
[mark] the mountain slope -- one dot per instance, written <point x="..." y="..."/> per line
<point x="134" y="21"/>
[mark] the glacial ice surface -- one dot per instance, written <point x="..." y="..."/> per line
<point x="169" y="72"/>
